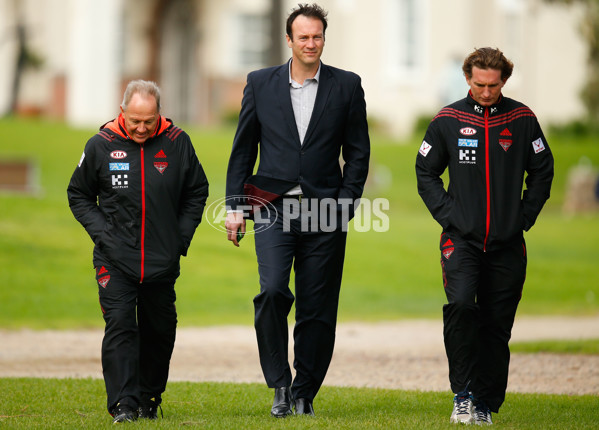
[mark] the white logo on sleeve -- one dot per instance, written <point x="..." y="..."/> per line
<point x="538" y="145"/>
<point x="424" y="148"/>
<point x="81" y="160"/>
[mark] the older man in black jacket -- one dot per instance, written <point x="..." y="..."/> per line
<point x="139" y="191"/>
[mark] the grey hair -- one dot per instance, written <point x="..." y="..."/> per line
<point x="147" y="88"/>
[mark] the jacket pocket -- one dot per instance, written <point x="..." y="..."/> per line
<point x="116" y="237"/>
<point x="128" y="234"/>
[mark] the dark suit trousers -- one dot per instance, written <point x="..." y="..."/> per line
<point x="317" y="259"/>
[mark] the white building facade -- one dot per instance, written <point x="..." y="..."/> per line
<point x="408" y="53"/>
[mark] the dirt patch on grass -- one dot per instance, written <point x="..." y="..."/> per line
<point x="398" y="355"/>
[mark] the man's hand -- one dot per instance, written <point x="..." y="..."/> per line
<point x="234" y="223"/>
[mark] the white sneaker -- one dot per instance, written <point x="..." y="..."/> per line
<point x="482" y="415"/>
<point x="462" y="410"/>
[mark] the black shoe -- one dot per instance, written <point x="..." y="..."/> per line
<point x="149" y="409"/>
<point x="123" y="413"/>
<point x="281" y="406"/>
<point x="304" y="407"/>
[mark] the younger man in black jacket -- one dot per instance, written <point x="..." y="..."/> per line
<point x="488" y="142"/>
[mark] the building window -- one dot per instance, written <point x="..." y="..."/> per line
<point x="408" y="54"/>
<point x="406" y="43"/>
<point x="253" y="41"/>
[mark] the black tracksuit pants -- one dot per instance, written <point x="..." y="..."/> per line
<point x="139" y="337"/>
<point x="483" y="290"/>
<point x="317" y="258"/>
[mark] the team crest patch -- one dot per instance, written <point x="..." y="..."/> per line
<point x="161" y="166"/>
<point x="538" y="145"/>
<point x="447" y="252"/>
<point x="104" y="281"/>
<point x="424" y="148"/>
<point x="505" y="144"/>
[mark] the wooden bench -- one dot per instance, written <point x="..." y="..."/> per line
<point x="19" y="176"/>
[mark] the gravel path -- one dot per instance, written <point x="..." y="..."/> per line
<point x="399" y="355"/>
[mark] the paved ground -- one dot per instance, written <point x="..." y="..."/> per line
<point x="402" y="355"/>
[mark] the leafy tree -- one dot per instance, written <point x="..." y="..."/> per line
<point x="590" y="31"/>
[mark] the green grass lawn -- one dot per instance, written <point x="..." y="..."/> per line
<point x="79" y="403"/>
<point x="577" y="346"/>
<point x="48" y="279"/>
<point x="48" y="282"/>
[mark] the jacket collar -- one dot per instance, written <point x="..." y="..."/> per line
<point x="325" y="84"/>
<point x="117" y="126"/>
<point x="493" y="109"/>
<point x="284" y="99"/>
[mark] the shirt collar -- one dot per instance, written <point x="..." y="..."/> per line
<point x="315" y="78"/>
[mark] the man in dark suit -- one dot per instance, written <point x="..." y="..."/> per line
<point x="300" y="116"/>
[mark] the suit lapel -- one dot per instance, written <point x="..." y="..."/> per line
<point x="284" y="99"/>
<point x="322" y="96"/>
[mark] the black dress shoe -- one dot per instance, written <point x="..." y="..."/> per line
<point x="281" y="406"/>
<point x="304" y="407"/>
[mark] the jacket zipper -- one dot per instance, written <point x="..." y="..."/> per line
<point x="143" y="214"/>
<point x="487" y="174"/>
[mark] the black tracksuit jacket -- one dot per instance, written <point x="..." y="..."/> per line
<point x="488" y="150"/>
<point x="140" y="203"/>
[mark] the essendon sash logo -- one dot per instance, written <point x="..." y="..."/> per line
<point x="505" y="144"/>
<point x="103" y="281"/>
<point x="447" y="253"/>
<point x="161" y="166"/>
